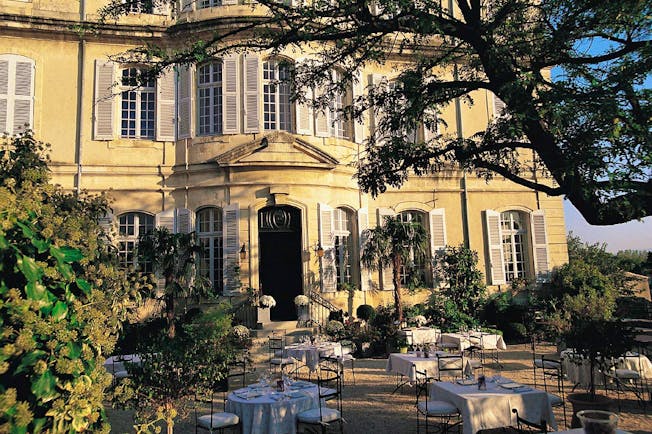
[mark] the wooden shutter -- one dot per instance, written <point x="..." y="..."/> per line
<point x="431" y="132"/>
<point x="540" y="246"/>
<point x="165" y="219"/>
<point x="231" y="107"/>
<point x="304" y="112"/>
<point x="322" y="117"/>
<point x="165" y="107"/>
<point x="184" y="109"/>
<point x="103" y="118"/>
<point x="4" y="95"/>
<point x="326" y="240"/>
<point x="437" y="221"/>
<point x="375" y="113"/>
<point x="23" y="95"/>
<point x="183" y="221"/>
<point x="106" y="223"/>
<point x="363" y="224"/>
<point x="230" y="251"/>
<point x="499" y="106"/>
<point x="358" y="124"/>
<point x="495" y="247"/>
<point x="251" y="93"/>
<point x="386" y="274"/>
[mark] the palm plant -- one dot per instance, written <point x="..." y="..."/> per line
<point x="172" y="257"/>
<point x="394" y="244"/>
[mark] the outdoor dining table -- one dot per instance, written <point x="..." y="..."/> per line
<point x="406" y="365"/>
<point x="464" y="340"/>
<point x="492" y="408"/>
<point x="578" y="369"/>
<point x="311" y="354"/>
<point x="420" y="335"/>
<point x="264" y="410"/>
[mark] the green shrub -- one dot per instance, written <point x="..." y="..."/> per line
<point x="365" y="312"/>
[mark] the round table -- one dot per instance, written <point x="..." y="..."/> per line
<point x="263" y="410"/>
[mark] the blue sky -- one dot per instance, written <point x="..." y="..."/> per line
<point x="634" y="235"/>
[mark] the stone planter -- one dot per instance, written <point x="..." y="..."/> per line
<point x="303" y="313"/>
<point x="263" y="317"/>
<point x="583" y="401"/>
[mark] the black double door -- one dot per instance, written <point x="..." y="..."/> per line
<point x="279" y="232"/>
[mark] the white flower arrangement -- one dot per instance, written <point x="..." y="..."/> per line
<point x="301" y="300"/>
<point x="240" y="332"/>
<point x="267" y="301"/>
<point x="420" y="320"/>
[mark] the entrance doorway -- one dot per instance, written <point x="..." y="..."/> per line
<point x="279" y="232"/>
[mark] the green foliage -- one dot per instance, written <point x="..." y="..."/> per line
<point x="62" y="299"/>
<point x="365" y="312"/>
<point x="461" y="281"/>
<point x="445" y="314"/>
<point x="162" y="386"/>
<point x="392" y="245"/>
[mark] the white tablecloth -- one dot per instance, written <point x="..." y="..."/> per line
<point x="420" y="335"/>
<point x="492" y="408"/>
<point x="272" y="412"/>
<point x="485" y="341"/>
<point x="310" y="354"/>
<point x="402" y="364"/>
<point x="578" y="370"/>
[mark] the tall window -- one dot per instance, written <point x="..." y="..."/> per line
<point x="414" y="272"/>
<point x="140" y="6"/>
<point x="138" y="105"/>
<point x="209" y="233"/>
<point x="343" y="230"/>
<point x="514" y="233"/>
<point x="338" y="127"/>
<point x="209" y="96"/>
<point x="409" y="131"/>
<point x="131" y="226"/>
<point x="16" y="93"/>
<point x="277" y="108"/>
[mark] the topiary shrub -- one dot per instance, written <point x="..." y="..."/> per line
<point x="365" y="312"/>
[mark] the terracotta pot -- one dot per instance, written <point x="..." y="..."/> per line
<point x="584" y="401"/>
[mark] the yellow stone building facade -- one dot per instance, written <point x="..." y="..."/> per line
<point x="219" y="148"/>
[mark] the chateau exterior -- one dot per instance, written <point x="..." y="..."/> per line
<point x="219" y="148"/>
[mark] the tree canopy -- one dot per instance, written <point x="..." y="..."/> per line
<point x="584" y="134"/>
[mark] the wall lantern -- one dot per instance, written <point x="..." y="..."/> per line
<point x="243" y="252"/>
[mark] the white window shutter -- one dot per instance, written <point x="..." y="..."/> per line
<point x="322" y="117"/>
<point x="375" y="115"/>
<point x="495" y="247"/>
<point x="363" y="224"/>
<point x="231" y="248"/>
<point x="499" y="106"/>
<point x="304" y="113"/>
<point x="23" y="95"/>
<point x="165" y="107"/>
<point x="231" y="108"/>
<point x="540" y="246"/>
<point x="437" y="230"/>
<point x="326" y="240"/>
<point x="358" y="124"/>
<point x="165" y="219"/>
<point x="430" y="132"/>
<point x="103" y="118"/>
<point x="386" y="274"/>
<point x="184" y="109"/>
<point x="183" y="221"/>
<point x="106" y="223"/>
<point x="4" y="95"/>
<point x="251" y="93"/>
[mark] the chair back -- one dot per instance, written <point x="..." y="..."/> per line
<point x="276" y="345"/>
<point x="450" y="365"/>
<point x="421" y="382"/>
<point x="526" y="426"/>
<point x="329" y="384"/>
<point x="552" y="372"/>
<point x="238" y="366"/>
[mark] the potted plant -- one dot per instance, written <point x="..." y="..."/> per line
<point x="402" y="344"/>
<point x="265" y="303"/>
<point x="302" y="302"/>
<point x="586" y="324"/>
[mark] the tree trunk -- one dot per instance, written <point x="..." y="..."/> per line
<point x="397" y="287"/>
<point x="169" y="307"/>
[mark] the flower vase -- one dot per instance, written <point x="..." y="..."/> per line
<point x="263" y="316"/>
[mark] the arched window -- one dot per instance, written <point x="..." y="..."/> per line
<point x="344" y="230"/>
<point x="514" y="232"/>
<point x="277" y="107"/>
<point x="138" y="105"/>
<point x="131" y="226"/>
<point x="209" y="98"/>
<point x="209" y="233"/>
<point x="414" y="273"/>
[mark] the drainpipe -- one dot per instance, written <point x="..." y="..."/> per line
<point x="79" y="139"/>
<point x="465" y="192"/>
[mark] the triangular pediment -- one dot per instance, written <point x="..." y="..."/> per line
<point x="278" y="149"/>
